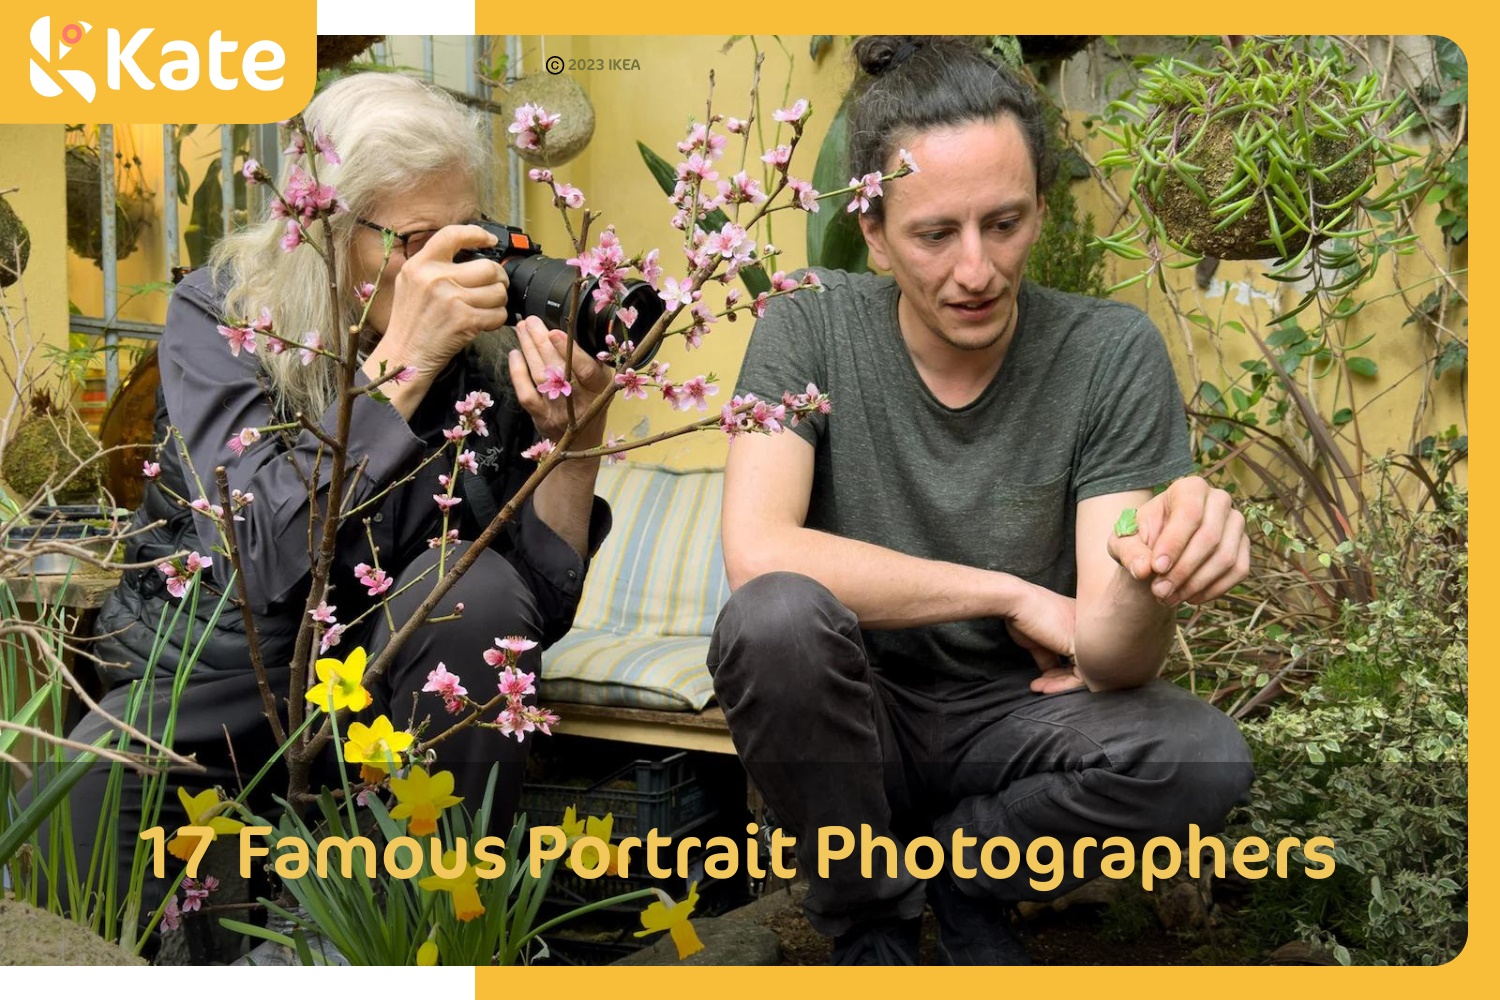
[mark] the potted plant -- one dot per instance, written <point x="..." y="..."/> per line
<point x="1270" y="151"/>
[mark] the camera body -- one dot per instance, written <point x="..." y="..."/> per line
<point x="542" y="286"/>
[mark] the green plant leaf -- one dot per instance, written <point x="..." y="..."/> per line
<point x="833" y="236"/>
<point x="1362" y="366"/>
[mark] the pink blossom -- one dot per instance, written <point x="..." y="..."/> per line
<point x="906" y="160"/>
<point x="297" y="147"/>
<point x="540" y="174"/>
<point x="244" y="439"/>
<point x="275" y="345"/>
<point x="697" y="167"/>
<point x="324" y="145"/>
<point x="632" y="383"/>
<point x="150" y="470"/>
<point x="568" y="195"/>
<point x="294" y="236"/>
<point x="456" y="433"/>
<point x="650" y="268"/>
<point x="202" y="506"/>
<point x="539" y="450"/>
<point x="531" y="123"/>
<point x="616" y="457"/>
<point x="778" y="157"/>
<point x="365" y="292"/>
<point x="305" y="199"/>
<point x="251" y="171"/>
<point x="695" y="392"/>
<point x="759" y="306"/>
<point x="180" y="576"/>
<point x="448" y="686"/>
<point x="732" y="298"/>
<point x="699" y="137"/>
<point x="767" y="417"/>
<point x="376" y="581"/>
<point x="795" y="114"/>
<point x="781" y="283"/>
<point x="737" y="126"/>
<point x="627" y="315"/>
<point x="330" y="638"/>
<point x="467" y="462"/>
<point x="517" y="644"/>
<point x="866" y="187"/>
<point x="516" y="684"/>
<point x="513" y="722"/>
<point x="443" y="481"/>
<point x="543" y="719"/>
<point x="810" y="280"/>
<point x="445" y="503"/>
<point x="675" y="294"/>
<point x="171" y="915"/>
<point x="324" y="613"/>
<point x="451" y="538"/>
<point x="239" y="337"/>
<point x="404" y="375"/>
<point x="806" y="195"/>
<point x="476" y="402"/>
<point x="312" y="342"/>
<point x="554" y="383"/>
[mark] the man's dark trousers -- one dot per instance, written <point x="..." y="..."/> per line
<point x="831" y="739"/>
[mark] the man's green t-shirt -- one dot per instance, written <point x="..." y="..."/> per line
<point x="1084" y="404"/>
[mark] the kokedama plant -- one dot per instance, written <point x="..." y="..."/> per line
<point x="1272" y="152"/>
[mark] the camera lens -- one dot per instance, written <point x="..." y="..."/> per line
<point x="541" y="286"/>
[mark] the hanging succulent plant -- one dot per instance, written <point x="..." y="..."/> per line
<point x="1271" y="152"/>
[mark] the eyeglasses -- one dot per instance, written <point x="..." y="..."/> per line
<point x="411" y="243"/>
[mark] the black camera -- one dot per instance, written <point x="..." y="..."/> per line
<point x="541" y="286"/>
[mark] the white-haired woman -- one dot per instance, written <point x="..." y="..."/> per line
<point x="409" y="163"/>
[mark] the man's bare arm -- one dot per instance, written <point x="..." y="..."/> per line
<point x="767" y="486"/>
<point x="1186" y="545"/>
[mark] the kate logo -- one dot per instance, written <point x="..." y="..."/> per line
<point x="42" y="45"/>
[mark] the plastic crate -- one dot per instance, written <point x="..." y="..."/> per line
<point x="664" y="795"/>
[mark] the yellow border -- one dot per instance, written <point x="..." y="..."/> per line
<point x="1372" y="16"/>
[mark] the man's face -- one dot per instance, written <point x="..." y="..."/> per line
<point x="956" y="234"/>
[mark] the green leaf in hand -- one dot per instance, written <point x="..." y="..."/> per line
<point x="1126" y="525"/>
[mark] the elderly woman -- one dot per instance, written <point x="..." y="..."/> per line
<point x="407" y="165"/>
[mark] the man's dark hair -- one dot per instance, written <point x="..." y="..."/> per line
<point x="911" y="83"/>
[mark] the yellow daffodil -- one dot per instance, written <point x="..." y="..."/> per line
<point x="339" y="683"/>
<point x="462" y="888"/>
<point x="427" y="954"/>
<point x="421" y="797"/>
<point x="202" y="809"/>
<point x="574" y="828"/>
<point x="376" y="747"/>
<point x="671" y="917"/>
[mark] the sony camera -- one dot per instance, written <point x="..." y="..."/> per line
<point x="542" y="286"/>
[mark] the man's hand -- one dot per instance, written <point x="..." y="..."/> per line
<point x="1189" y="542"/>
<point x="541" y="350"/>
<point x="1043" y="623"/>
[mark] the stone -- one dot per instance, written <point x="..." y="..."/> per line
<point x="726" y="941"/>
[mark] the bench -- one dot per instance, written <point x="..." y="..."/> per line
<point x="633" y="666"/>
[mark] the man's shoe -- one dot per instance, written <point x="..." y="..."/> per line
<point x="880" y="942"/>
<point x="972" y="931"/>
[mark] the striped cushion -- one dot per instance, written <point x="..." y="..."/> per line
<point x="653" y="592"/>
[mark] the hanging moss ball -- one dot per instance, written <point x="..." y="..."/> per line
<point x="45" y="448"/>
<point x="559" y="95"/>
<point x="1189" y="220"/>
<point x="15" y="245"/>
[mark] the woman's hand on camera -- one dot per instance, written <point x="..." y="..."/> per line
<point x="537" y="371"/>
<point x="439" y="307"/>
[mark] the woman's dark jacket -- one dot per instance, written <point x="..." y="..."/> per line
<point x="208" y="394"/>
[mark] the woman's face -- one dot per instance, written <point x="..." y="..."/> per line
<point x="442" y="199"/>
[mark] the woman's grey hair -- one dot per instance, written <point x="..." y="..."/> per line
<point x="392" y="133"/>
<point x="906" y="84"/>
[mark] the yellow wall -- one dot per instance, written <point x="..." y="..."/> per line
<point x="37" y="305"/>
